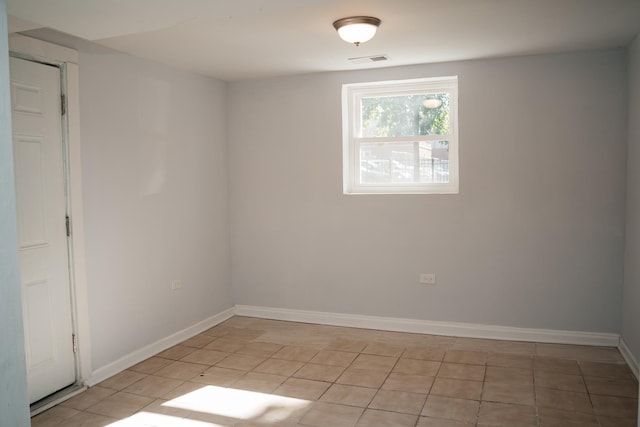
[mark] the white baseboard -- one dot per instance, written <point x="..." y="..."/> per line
<point x="629" y="358"/>
<point x="456" y="329"/>
<point x="467" y="330"/>
<point x="138" y="356"/>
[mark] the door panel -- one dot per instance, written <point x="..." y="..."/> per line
<point x="32" y="224"/>
<point x="41" y="209"/>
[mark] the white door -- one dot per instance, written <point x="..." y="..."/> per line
<point x="42" y="230"/>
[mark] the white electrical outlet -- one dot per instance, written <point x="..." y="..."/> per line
<point x="428" y="278"/>
<point x="176" y="284"/>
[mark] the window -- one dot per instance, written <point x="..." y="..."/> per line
<point x="400" y="137"/>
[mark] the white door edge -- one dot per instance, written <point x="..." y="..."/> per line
<point x="67" y="59"/>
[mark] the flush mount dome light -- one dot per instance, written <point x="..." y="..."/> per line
<point x="357" y="29"/>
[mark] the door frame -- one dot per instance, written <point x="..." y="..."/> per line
<point x="67" y="60"/>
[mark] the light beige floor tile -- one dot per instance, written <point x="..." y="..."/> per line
<point x="312" y="371"/>
<point x="462" y="389"/>
<point x="334" y="358"/>
<point x="260" y="423"/>
<point x="349" y="395"/>
<point x="518" y="394"/>
<point x="176" y="352"/>
<point x="198" y="341"/>
<point x="122" y="380"/>
<point x="555" y="417"/>
<point x="424" y="353"/>
<point x="428" y="364"/>
<point x="236" y="322"/>
<point x="564" y="400"/>
<point x="505" y="414"/>
<point x="362" y="378"/>
<point x="510" y="360"/>
<point x="297" y="338"/>
<point x="182" y="390"/>
<point x="617" y="422"/>
<point x="151" y="365"/>
<point x="501" y="374"/>
<point x="496" y="346"/>
<point x="560" y="381"/>
<point x="513" y="347"/>
<point x="205" y="357"/>
<point x="218" y="376"/>
<point x="434" y="341"/>
<point x="375" y="418"/>
<point x="324" y="414"/>
<point x="382" y="349"/>
<point x="399" y="401"/>
<point x="86" y="419"/>
<point x="374" y="362"/>
<point x="450" y="408"/>
<point x="206" y="419"/>
<point x="260" y="349"/>
<point x="606" y="370"/>
<point x="474" y="344"/>
<point x="120" y="405"/>
<point x="580" y="352"/>
<point x="438" y="422"/>
<point x="550" y="422"/>
<point x="226" y="345"/>
<point x="255" y="381"/>
<point x="552" y="364"/>
<point x="617" y="407"/>
<point x="181" y="370"/>
<point x="408" y="382"/>
<point x="53" y="417"/>
<point x="302" y="389"/>
<point x="612" y="387"/>
<point x="297" y="353"/>
<point x="241" y="362"/>
<point x="219" y="330"/>
<point x="461" y="372"/>
<point x="343" y="344"/>
<point x="417" y="367"/>
<point x="153" y="386"/>
<point x="160" y="407"/>
<point x="467" y="357"/>
<point x="274" y="416"/>
<point x="246" y="334"/>
<point x="88" y="398"/>
<point x="279" y="367"/>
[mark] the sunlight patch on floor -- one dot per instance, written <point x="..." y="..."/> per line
<point x="239" y="404"/>
<point x="212" y="406"/>
<point x="149" y="419"/>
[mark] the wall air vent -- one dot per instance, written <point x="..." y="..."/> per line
<point x="367" y="59"/>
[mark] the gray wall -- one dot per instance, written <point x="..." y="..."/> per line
<point x="155" y="200"/>
<point x="534" y="239"/>
<point x="14" y="403"/>
<point x="631" y="290"/>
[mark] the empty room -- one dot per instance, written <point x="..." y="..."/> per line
<point x="319" y="213"/>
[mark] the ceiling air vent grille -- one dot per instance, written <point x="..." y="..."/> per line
<point x="367" y="59"/>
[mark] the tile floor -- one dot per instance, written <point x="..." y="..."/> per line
<point x="256" y="372"/>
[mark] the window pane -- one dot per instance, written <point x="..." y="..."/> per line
<point x="389" y="116"/>
<point x="404" y="162"/>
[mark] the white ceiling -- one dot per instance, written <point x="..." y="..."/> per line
<point x="241" y="39"/>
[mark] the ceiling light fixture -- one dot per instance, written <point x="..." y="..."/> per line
<point x="357" y="29"/>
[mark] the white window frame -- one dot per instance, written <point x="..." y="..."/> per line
<point x="351" y="138"/>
